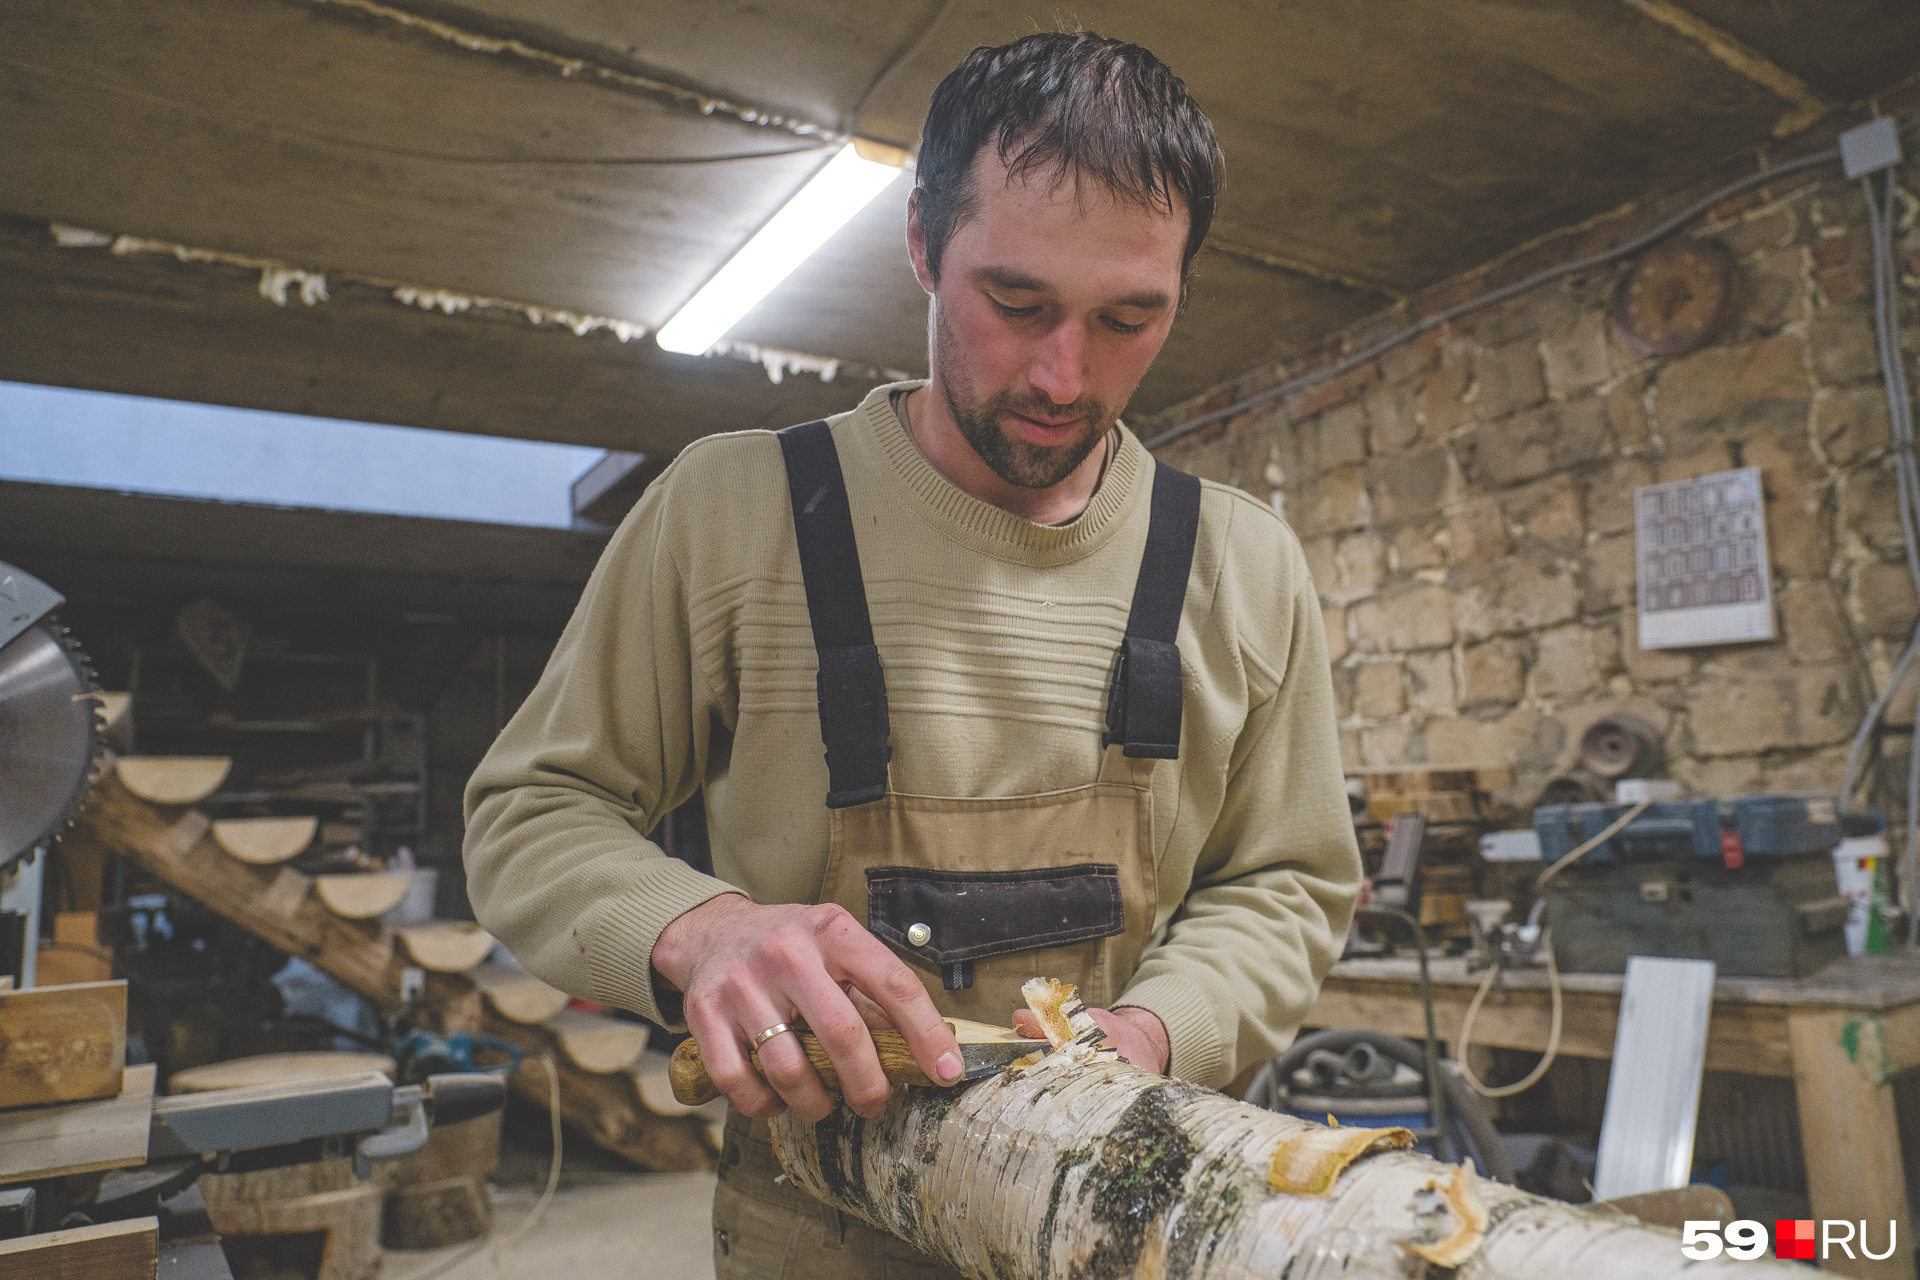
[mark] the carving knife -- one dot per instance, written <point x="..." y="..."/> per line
<point x="984" y="1051"/>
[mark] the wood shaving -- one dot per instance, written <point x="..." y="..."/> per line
<point x="1309" y="1162"/>
<point x="1471" y="1216"/>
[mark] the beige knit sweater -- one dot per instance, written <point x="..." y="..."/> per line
<point x="689" y="661"/>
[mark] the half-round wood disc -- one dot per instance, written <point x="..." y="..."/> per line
<point x="113" y="711"/>
<point x="277" y="1068"/>
<point x="264" y="841"/>
<point x="446" y="946"/>
<point x="517" y="995"/>
<point x="363" y="896"/>
<point x="597" y="1043"/>
<point x="172" y="779"/>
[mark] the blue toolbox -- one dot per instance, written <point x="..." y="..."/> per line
<point x="1747" y="883"/>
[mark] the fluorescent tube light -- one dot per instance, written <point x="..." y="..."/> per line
<point x="845" y="186"/>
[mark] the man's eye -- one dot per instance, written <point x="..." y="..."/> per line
<point x="1016" y="313"/>
<point x="1121" y="327"/>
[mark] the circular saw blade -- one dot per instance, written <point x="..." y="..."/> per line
<point x="49" y="737"/>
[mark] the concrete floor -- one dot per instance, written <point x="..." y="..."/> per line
<point x="606" y="1221"/>
<point x="600" y="1226"/>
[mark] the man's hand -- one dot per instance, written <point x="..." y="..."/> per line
<point x="744" y="967"/>
<point x="1139" y="1036"/>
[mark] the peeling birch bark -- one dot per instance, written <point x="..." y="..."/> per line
<point x="1081" y="1167"/>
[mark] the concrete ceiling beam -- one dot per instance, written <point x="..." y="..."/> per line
<point x="588" y="71"/>
<point x="205" y="330"/>
<point x="1734" y="53"/>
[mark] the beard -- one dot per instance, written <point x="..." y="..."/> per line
<point x="1018" y="462"/>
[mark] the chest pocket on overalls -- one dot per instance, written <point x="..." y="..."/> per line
<point x="981" y="894"/>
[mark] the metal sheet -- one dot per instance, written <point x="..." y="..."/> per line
<point x="1653" y="1097"/>
<point x="270" y="1115"/>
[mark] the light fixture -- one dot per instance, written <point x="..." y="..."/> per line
<point x="842" y="188"/>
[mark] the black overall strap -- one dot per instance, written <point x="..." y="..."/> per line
<point x="851" y="689"/>
<point x="1143" y="706"/>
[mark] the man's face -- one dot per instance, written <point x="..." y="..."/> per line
<point x="1051" y="304"/>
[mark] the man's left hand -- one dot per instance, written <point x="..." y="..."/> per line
<point x="1139" y="1036"/>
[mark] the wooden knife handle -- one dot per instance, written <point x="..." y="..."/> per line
<point x="692" y="1086"/>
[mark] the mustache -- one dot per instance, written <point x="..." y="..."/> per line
<point x="1046" y="410"/>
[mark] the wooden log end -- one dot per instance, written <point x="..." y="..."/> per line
<point x="172" y="780"/>
<point x="363" y="896"/>
<point x="63" y="1044"/>
<point x="446" y="946"/>
<point x="517" y="995"/>
<point x="263" y="842"/>
<point x="277" y="1068"/>
<point x="597" y="1043"/>
<point x="432" y="1215"/>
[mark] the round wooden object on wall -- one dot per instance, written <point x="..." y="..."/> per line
<point x="1676" y="297"/>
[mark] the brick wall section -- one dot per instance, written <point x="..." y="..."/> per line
<point x="1466" y="506"/>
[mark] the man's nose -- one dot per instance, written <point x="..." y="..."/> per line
<point x="1056" y="371"/>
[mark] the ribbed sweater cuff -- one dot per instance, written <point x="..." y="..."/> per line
<point x="621" y="931"/>
<point x="1193" y="1033"/>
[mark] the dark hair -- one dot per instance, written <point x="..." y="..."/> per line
<point x="1077" y="104"/>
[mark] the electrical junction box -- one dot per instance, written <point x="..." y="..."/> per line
<point x="1747" y="883"/>
<point x="1870" y="148"/>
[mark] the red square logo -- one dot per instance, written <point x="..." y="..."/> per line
<point x="1793" y="1238"/>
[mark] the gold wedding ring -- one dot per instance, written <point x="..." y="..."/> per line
<point x="777" y="1029"/>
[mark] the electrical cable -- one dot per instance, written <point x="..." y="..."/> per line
<point x="1886" y="316"/>
<point x="519" y="1233"/>
<point x="1436" y="1084"/>
<point x="1553" y="973"/>
<point x="1553" y="1032"/>
<point x="1660" y="231"/>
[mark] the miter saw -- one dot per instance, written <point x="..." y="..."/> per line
<point x="49" y="718"/>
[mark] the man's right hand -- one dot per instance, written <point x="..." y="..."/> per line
<point x="743" y="967"/>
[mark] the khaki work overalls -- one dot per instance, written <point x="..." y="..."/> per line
<point x="985" y="893"/>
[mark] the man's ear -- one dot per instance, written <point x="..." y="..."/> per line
<point x="917" y="243"/>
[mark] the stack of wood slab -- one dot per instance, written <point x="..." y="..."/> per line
<point x="68" y="1102"/>
<point x="1459" y="803"/>
<point x="1443" y="794"/>
<point x="613" y="1088"/>
<point x="69" y="1106"/>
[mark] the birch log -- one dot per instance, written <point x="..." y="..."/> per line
<point x="1085" y="1167"/>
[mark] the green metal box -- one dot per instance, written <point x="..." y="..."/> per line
<point x="1779" y="917"/>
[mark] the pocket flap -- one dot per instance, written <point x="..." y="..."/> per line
<point x="945" y="917"/>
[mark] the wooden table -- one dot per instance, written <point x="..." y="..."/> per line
<point x="1840" y="1036"/>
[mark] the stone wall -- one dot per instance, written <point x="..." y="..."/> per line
<point x="1466" y="506"/>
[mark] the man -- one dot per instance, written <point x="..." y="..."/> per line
<point x="1076" y="706"/>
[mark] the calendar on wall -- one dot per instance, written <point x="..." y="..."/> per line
<point x="1701" y="547"/>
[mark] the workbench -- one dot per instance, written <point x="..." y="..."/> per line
<point x="1839" y="1035"/>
